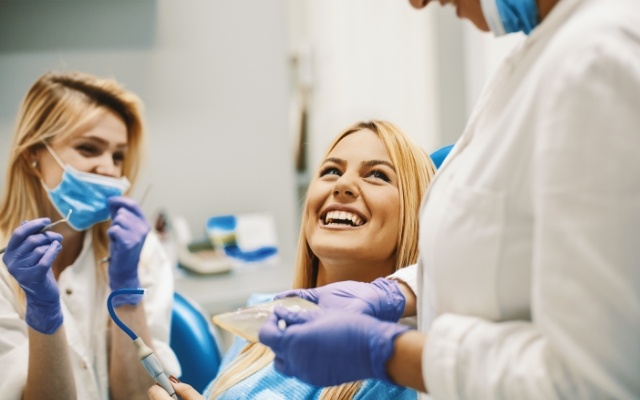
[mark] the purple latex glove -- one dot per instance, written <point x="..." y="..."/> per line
<point x="381" y="298"/>
<point x="330" y="347"/>
<point x="127" y="234"/>
<point x="28" y="258"/>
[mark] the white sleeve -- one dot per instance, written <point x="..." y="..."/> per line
<point x="408" y="275"/>
<point x="14" y="344"/>
<point x="156" y="275"/>
<point x="583" y="340"/>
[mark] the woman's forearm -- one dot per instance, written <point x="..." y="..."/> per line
<point x="410" y="309"/>
<point x="405" y="365"/>
<point x="127" y="377"/>
<point x="50" y="374"/>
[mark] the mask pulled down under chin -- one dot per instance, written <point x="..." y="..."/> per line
<point x="508" y="16"/>
<point x="86" y="194"/>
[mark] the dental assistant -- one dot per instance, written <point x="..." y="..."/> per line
<point x="528" y="279"/>
<point x="77" y="146"/>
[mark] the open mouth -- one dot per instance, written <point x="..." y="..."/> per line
<point x="343" y="218"/>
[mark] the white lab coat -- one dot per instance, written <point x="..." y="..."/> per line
<point x="86" y="319"/>
<point x="529" y="235"/>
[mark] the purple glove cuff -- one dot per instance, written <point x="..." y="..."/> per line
<point x="46" y="319"/>
<point x="126" y="299"/>
<point x="384" y="341"/>
<point x="126" y="283"/>
<point x="392" y="303"/>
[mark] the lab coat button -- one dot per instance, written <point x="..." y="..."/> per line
<point x="69" y="291"/>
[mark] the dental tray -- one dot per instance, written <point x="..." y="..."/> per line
<point x="246" y="322"/>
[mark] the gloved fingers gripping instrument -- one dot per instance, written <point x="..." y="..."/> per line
<point x="145" y="354"/>
<point x="47" y="227"/>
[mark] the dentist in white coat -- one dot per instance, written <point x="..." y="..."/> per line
<point x="528" y="285"/>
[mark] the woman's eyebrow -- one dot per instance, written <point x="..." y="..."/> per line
<point x="335" y="160"/>
<point x="99" y="141"/>
<point x="373" y="163"/>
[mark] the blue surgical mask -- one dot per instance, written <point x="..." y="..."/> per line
<point x="84" y="193"/>
<point x="507" y="16"/>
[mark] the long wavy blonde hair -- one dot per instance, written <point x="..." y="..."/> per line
<point x="415" y="171"/>
<point x="57" y="106"/>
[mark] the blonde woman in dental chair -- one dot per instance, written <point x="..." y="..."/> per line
<point x="359" y="224"/>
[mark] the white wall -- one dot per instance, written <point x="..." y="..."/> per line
<point x="365" y="59"/>
<point x="214" y="78"/>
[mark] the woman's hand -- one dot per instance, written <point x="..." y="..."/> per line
<point x="29" y="256"/>
<point x="327" y="347"/>
<point x="184" y="391"/>
<point x="381" y="298"/>
<point x="127" y="234"/>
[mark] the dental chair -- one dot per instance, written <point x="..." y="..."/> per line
<point x="196" y="343"/>
<point x="439" y="155"/>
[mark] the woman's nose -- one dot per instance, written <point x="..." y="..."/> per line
<point x="346" y="186"/>
<point x="106" y="166"/>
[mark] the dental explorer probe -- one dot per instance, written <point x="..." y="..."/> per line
<point x="46" y="228"/>
<point x="148" y="359"/>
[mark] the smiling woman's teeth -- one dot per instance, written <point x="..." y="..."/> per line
<point x="342" y="218"/>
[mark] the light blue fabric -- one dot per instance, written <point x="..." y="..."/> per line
<point x="518" y="15"/>
<point x="439" y="155"/>
<point x="269" y="384"/>
<point x="85" y="194"/>
<point x="513" y="15"/>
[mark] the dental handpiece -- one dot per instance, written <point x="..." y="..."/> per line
<point x="148" y="359"/>
<point x="46" y="228"/>
<point x="154" y="367"/>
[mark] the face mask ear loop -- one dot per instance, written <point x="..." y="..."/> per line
<point x="55" y="156"/>
<point x="58" y="160"/>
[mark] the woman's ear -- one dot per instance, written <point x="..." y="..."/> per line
<point x="32" y="157"/>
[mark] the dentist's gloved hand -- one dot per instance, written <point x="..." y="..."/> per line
<point x="28" y="258"/>
<point x="381" y="298"/>
<point x="127" y="234"/>
<point x="330" y="347"/>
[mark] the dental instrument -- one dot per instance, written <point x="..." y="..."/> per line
<point x="246" y="322"/>
<point x="47" y="227"/>
<point x="148" y="359"/>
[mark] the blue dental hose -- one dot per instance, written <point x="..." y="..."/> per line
<point x="145" y="354"/>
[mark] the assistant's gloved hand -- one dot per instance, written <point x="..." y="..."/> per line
<point x="381" y="298"/>
<point x="28" y="258"/>
<point x="330" y="347"/>
<point x="127" y="234"/>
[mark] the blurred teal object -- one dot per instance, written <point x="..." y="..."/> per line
<point x="439" y="155"/>
<point x="244" y="237"/>
<point x="196" y="343"/>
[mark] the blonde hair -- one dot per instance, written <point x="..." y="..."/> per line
<point x="415" y="171"/>
<point x="57" y="106"/>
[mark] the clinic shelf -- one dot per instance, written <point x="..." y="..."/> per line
<point x="229" y="291"/>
